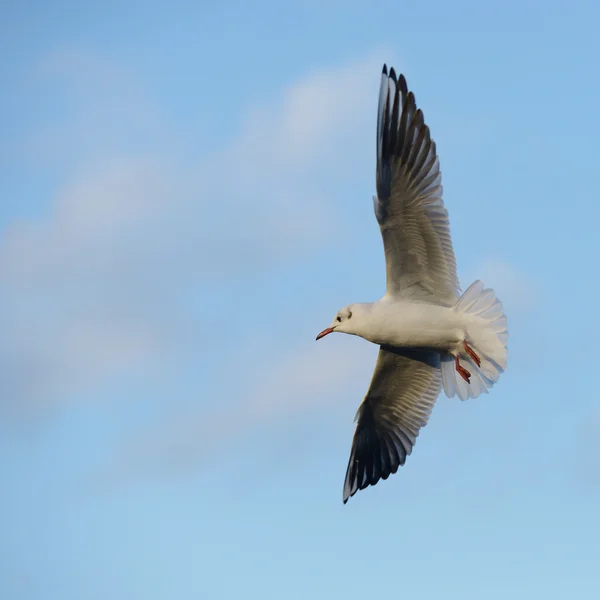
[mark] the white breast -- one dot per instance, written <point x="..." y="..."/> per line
<point x="415" y="324"/>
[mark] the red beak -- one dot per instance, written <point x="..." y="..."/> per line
<point x="325" y="332"/>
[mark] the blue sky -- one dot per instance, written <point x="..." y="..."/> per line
<point x="185" y="201"/>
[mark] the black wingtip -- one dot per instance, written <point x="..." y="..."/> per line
<point x="403" y="85"/>
<point x="393" y="74"/>
<point x="384" y="71"/>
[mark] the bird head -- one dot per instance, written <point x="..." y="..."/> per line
<point x="341" y="323"/>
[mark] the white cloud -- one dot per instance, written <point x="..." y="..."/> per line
<point x="315" y="115"/>
<point x="93" y="288"/>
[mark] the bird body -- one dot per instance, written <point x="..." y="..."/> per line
<point x="407" y="324"/>
<point x="430" y="336"/>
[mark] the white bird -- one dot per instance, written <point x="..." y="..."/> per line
<point x="429" y="336"/>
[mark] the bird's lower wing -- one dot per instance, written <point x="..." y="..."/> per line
<point x="403" y="390"/>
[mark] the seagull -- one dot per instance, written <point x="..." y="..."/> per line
<point x="429" y="335"/>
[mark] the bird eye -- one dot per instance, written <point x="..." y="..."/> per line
<point x="339" y="319"/>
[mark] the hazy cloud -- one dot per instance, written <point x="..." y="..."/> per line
<point x="518" y="290"/>
<point x="301" y="384"/>
<point x="95" y="287"/>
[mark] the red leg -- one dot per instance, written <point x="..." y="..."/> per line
<point x="462" y="371"/>
<point x="472" y="354"/>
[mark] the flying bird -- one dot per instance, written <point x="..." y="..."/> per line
<point x="429" y="335"/>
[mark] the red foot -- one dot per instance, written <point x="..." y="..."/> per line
<point x="472" y="354"/>
<point x="462" y="371"/>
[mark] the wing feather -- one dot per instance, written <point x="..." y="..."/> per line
<point x="420" y="260"/>
<point x="403" y="390"/>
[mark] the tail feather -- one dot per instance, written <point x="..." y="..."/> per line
<point x="487" y="334"/>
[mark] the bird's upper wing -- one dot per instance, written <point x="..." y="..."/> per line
<point x="419" y="257"/>
<point x="403" y="390"/>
